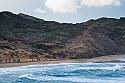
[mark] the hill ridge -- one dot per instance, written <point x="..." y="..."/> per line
<point x="24" y="37"/>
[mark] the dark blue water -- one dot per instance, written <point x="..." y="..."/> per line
<point x="65" y="73"/>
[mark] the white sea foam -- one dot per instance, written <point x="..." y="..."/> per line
<point x="65" y="66"/>
<point x="74" y="79"/>
<point x="34" y="72"/>
<point x="115" y="67"/>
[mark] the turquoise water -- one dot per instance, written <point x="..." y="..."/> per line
<point x="65" y="73"/>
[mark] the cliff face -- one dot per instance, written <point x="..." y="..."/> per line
<point x="26" y="37"/>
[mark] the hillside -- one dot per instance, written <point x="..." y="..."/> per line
<point x="23" y="37"/>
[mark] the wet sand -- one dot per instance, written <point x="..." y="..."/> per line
<point x="111" y="58"/>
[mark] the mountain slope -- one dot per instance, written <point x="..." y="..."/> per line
<point x="100" y="39"/>
<point x="26" y="37"/>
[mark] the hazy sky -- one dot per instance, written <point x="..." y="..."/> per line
<point x="66" y="10"/>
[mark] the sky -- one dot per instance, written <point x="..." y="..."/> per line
<point x="68" y="11"/>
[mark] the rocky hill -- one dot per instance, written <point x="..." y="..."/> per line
<point x="23" y="37"/>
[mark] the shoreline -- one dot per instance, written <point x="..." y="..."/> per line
<point x="6" y="65"/>
<point x="102" y="59"/>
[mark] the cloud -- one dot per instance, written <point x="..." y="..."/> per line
<point x="56" y="6"/>
<point x="62" y="6"/>
<point x="71" y="6"/>
<point x="40" y="11"/>
<point x="100" y="3"/>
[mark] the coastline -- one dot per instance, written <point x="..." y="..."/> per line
<point x="6" y="65"/>
<point x="102" y="59"/>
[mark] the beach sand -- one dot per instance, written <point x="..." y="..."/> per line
<point x="111" y="58"/>
<point x="4" y="65"/>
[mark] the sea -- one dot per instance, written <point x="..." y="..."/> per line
<point x="65" y="73"/>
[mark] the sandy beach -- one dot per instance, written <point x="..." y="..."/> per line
<point x="4" y="65"/>
<point x="111" y="58"/>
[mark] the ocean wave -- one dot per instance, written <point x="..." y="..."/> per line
<point x="65" y="66"/>
<point x="112" y="68"/>
<point x="67" y="73"/>
<point x="73" y="79"/>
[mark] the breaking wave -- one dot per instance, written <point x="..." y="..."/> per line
<point x="65" y="73"/>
